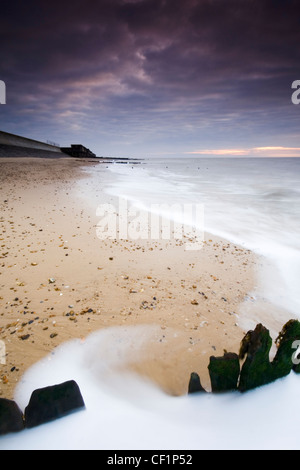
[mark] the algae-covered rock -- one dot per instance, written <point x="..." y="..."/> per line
<point x="195" y="384"/>
<point x="284" y="360"/>
<point x="257" y="369"/>
<point x="224" y="372"/>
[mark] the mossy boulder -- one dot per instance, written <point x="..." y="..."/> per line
<point x="254" y="355"/>
<point x="224" y="372"/>
<point x="195" y="384"/>
<point x="257" y="369"/>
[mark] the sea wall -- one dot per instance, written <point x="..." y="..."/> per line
<point x="19" y="141"/>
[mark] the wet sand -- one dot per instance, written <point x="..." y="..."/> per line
<point x="58" y="281"/>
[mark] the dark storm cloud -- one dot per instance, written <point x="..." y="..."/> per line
<point x="85" y="60"/>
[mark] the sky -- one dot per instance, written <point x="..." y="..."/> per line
<point x="153" y="77"/>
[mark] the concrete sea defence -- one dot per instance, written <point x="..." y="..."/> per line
<point x="12" y="140"/>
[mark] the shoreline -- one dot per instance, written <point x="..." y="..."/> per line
<point x="60" y="282"/>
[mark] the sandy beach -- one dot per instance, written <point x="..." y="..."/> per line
<point x="58" y="281"/>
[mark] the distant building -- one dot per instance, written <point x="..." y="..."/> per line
<point x="78" y="151"/>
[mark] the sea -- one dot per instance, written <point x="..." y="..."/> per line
<point x="252" y="202"/>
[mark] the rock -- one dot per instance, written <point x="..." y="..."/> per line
<point x="224" y="372"/>
<point x="11" y="417"/>
<point x="257" y="369"/>
<point x="283" y="361"/>
<point x="55" y="401"/>
<point x="195" y="384"/>
<point x="24" y="337"/>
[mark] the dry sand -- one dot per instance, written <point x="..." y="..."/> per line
<point x="58" y="281"/>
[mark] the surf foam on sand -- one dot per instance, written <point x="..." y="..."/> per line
<point x="124" y="411"/>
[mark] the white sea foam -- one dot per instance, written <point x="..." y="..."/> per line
<point x="124" y="411"/>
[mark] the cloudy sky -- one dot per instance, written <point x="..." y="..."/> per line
<point x="153" y="77"/>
